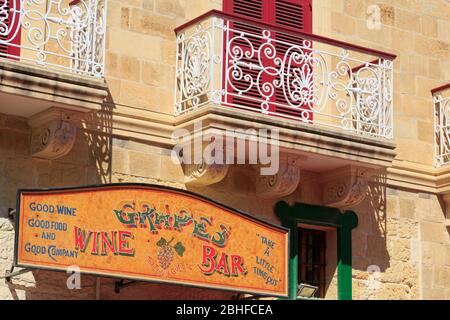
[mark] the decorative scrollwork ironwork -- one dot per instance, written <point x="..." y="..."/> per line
<point x="59" y="34"/>
<point x="285" y="76"/>
<point x="441" y="129"/>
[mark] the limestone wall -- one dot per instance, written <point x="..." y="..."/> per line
<point x="404" y="231"/>
<point x="417" y="32"/>
<point x="400" y="231"/>
<point x="19" y="170"/>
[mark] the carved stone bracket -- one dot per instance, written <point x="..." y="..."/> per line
<point x="53" y="133"/>
<point x="204" y="174"/>
<point x="281" y="184"/>
<point x="346" y="186"/>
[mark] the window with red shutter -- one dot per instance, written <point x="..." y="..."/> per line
<point x="9" y="28"/>
<point x="253" y="9"/>
<point x="296" y="14"/>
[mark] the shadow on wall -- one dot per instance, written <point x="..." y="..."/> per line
<point x="153" y="291"/>
<point x="370" y="247"/>
<point x="370" y="236"/>
<point x="50" y="285"/>
<point x="98" y="134"/>
<point x="89" y="162"/>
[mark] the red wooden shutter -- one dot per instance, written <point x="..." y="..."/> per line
<point x="295" y="14"/>
<point x="252" y="9"/>
<point x="12" y="24"/>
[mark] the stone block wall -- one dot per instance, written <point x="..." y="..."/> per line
<point x="417" y="32"/>
<point x="401" y="233"/>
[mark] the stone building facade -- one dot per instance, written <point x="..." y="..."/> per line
<point x="119" y="129"/>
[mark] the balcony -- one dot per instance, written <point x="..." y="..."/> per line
<point x="243" y="64"/>
<point x="65" y="35"/>
<point x="51" y="52"/>
<point x="441" y="97"/>
<point x="52" y="66"/>
<point x="331" y="101"/>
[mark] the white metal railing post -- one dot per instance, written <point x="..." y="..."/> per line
<point x="221" y="60"/>
<point x="176" y="89"/>
<point x="437" y="136"/>
<point x="92" y="22"/>
<point x="441" y="129"/>
<point x="382" y="127"/>
<point x="226" y="60"/>
<point x="391" y="102"/>
<point x="212" y="54"/>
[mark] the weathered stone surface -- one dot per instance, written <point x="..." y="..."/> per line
<point x="359" y="240"/>
<point x="435" y="232"/>
<point x="398" y="231"/>
<point x="387" y="14"/>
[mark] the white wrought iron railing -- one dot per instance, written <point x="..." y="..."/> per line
<point x="237" y="62"/>
<point x="441" y="97"/>
<point x="67" y="35"/>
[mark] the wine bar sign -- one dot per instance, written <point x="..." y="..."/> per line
<point x="151" y="233"/>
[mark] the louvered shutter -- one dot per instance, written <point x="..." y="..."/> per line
<point x="11" y="35"/>
<point x="252" y="9"/>
<point x="295" y="14"/>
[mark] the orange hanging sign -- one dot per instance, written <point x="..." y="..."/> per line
<point x="151" y="233"/>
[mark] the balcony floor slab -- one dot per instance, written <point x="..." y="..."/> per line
<point x="26" y="90"/>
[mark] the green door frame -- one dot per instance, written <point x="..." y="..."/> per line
<point x="344" y="223"/>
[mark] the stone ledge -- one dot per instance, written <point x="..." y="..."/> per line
<point x="20" y="81"/>
<point x="422" y="178"/>
<point x="295" y="138"/>
<point x="414" y="176"/>
<point x="142" y="125"/>
<point x="299" y="138"/>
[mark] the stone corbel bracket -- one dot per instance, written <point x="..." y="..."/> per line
<point x="346" y="186"/>
<point x="204" y="174"/>
<point x="53" y="133"/>
<point x="280" y="184"/>
<point x="197" y="171"/>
